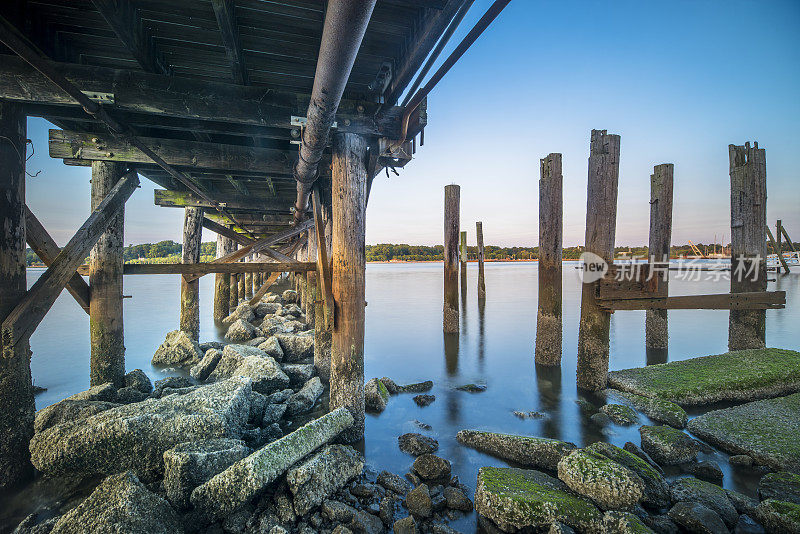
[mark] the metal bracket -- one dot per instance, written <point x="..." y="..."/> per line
<point x="100" y="98"/>
<point x="301" y="122"/>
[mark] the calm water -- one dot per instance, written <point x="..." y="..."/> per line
<point x="404" y="341"/>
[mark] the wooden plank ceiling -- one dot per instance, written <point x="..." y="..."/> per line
<point x="258" y="43"/>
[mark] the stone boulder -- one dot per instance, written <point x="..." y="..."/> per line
<point x="273" y="348"/>
<point x="240" y="331"/>
<point x="273" y="413"/>
<point x="656" y="490"/>
<point x="206" y="366"/>
<point x="120" y="504"/>
<point x="170" y="383"/>
<point x="130" y="394"/>
<point x="709" y="495"/>
<point x="416" y="444"/>
<point x="607" y="483"/>
<point x="431" y="467"/>
<point x="659" y="410"/>
<point x="324" y="473"/>
<point x="694" y="517"/>
<point x="243" y="311"/>
<point x="69" y="410"/>
<point x="620" y="414"/>
<point x="178" y="350"/>
<point x="289" y="296"/>
<point x="265" y="373"/>
<point x="266" y="308"/>
<point x="394" y="483"/>
<point x="104" y="392"/>
<point x="779" y="517"/>
<point x="624" y="523"/>
<point x="135" y="436"/>
<point x="375" y="395"/>
<point x="189" y="464"/>
<point x="296" y="347"/>
<point x="526" y="451"/>
<point x="417" y="387"/>
<point x="419" y="503"/>
<point x="139" y="380"/>
<point x="516" y="499"/>
<point x="668" y="446"/>
<point x="237" y="485"/>
<point x="782" y="486"/>
<point x="298" y="373"/>
<point x="304" y="400"/>
<point x="456" y="499"/>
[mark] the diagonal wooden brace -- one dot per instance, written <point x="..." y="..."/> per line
<point x="323" y="265"/>
<point x="46" y="248"/>
<point x="38" y="300"/>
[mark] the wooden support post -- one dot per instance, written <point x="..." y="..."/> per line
<point x="323" y="305"/>
<point x="452" y="194"/>
<point x="222" y="281"/>
<point x="107" y="336"/>
<point x="601" y="223"/>
<point x="463" y="250"/>
<point x="348" y="255"/>
<point x="233" y="294"/>
<point x="748" y="171"/>
<point x="241" y="292"/>
<point x="311" y="280"/>
<point x="551" y="227"/>
<point x="779" y="239"/>
<point x="776" y="246"/>
<point x="481" y="279"/>
<point x="248" y="280"/>
<point x="656" y="331"/>
<point x="190" y="291"/>
<point x="16" y="393"/>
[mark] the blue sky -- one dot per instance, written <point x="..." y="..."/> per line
<point x="679" y="81"/>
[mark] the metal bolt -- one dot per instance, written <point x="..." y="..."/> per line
<point x="95" y="139"/>
<point x="347" y="122"/>
<point x="360" y="108"/>
<point x="295" y="132"/>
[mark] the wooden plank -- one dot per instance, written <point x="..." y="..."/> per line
<point x="759" y="300"/>
<point x="777" y="249"/>
<point x="226" y="18"/>
<point x="30" y="311"/>
<point x="631" y="281"/>
<point x="46" y="248"/>
<point x="124" y="19"/>
<point x="323" y="264"/>
<point x="264" y="289"/>
<point x="788" y="239"/>
<point x="195" y="270"/>
<point x="176" y="152"/>
<point x="181" y="199"/>
<point x="186" y="98"/>
<point x="225" y="231"/>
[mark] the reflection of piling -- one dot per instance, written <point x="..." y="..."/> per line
<point x="452" y="195"/>
<point x="656" y="332"/>
<point x="548" y="318"/>
<point x="190" y="291"/>
<point x="481" y="280"/>
<point x="481" y="333"/>
<point x="548" y="385"/>
<point x="601" y="218"/>
<point x="748" y="170"/>
<point x="463" y="267"/>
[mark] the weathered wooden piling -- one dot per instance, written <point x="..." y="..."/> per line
<point x="462" y="250"/>
<point x="551" y="229"/>
<point x="601" y="222"/>
<point x="248" y="280"/>
<point x="349" y="263"/>
<point x="656" y="331"/>
<point x="481" y="279"/>
<point x="452" y="194"/>
<point x="322" y="330"/>
<point x="241" y="292"/>
<point x="222" y="281"/>
<point x="107" y="339"/>
<point x="16" y="392"/>
<point x="748" y="172"/>
<point x="190" y="291"/>
<point x="233" y="292"/>
<point x="311" y="279"/>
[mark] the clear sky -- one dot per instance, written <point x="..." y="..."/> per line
<point x="678" y="80"/>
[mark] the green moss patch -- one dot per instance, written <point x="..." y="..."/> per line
<point x="739" y="375"/>
<point x="767" y="430"/>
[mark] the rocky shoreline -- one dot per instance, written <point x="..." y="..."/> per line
<point x="244" y="445"/>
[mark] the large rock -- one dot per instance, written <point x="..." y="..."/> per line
<point x="394" y="483"/>
<point x="242" y="481"/>
<point x="659" y="410"/>
<point x="188" y="465"/>
<point x="656" y="491"/>
<point x="779" y="517"/>
<point x="120" y="504"/>
<point x="431" y="467"/>
<point x="694" y="517"/>
<point x="240" y="331"/>
<point x="604" y="481"/>
<point x="139" y="380"/>
<point x="266" y="308"/>
<point x="782" y="486"/>
<point x="296" y="347"/>
<point x="416" y="444"/>
<point x="620" y="414"/>
<point x="298" y="373"/>
<point x="289" y="296"/>
<point x="304" y="400"/>
<point x="178" y="349"/>
<point x="615" y="522"/>
<point x="104" y="392"/>
<point x="206" y="366"/>
<point x="273" y="348"/>
<point x="518" y="498"/>
<point x="526" y="451"/>
<point x="135" y="436"/>
<point x="243" y="311"/>
<point x="252" y="362"/>
<point x="69" y="410"/>
<point x="320" y="476"/>
<point x="375" y="395"/>
<point x="709" y="495"/>
<point x="418" y="501"/>
<point x="668" y="446"/>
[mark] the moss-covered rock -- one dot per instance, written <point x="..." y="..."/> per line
<point x="616" y="522"/>
<point x="178" y="349"/>
<point x="668" y="446"/>
<point x="709" y="495"/>
<point x="620" y="414"/>
<point x="766" y="430"/>
<point x="604" y="481"/>
<point x="694" y="517"/>
<point x="527" y="451"/>
<point x="782" y="486"/>
<point x="656" y="491"/>
<point x="779" y="517"/>
<point x="518" y="498"/>
<point x="738" y="375"/>
<point x="375" y="395"/>
<point x="659" y="410"/>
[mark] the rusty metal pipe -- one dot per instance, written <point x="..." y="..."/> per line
<point x="345" y="24"/>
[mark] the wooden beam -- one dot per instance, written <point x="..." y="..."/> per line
<point x="180" y="199"/>
<point x="186" y="154"/>
<point x="278" y="256"/>
<point x="323" y="264"/>
<point x="196" y="270"/>
<point x="186" y="98"/>
<point x="124" y="19"/>
<point x="264" y="289"/>
<point x="759" y="300"/>
<point x="46" y="248"/>
<point x="30" y="311"/>
<point x="226" y="19"/>
<point x="777" y="249"/>
<point x="225" y="231"/>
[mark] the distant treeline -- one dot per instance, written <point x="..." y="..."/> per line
<point x="170" y="252"/>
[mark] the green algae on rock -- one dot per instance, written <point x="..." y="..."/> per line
<point x="659" y="410"/>
<point x="668" y="446"/>
<point x="766" y="430"/>
<point x="518" y="498"/>
<point x="779" y="516"/>
<point x="656" y="491"/>
<point x="620" y="414"/>
<point x="737" y="375"/>
<point x="526" y="451"/>
<point x="604" y="481"/>
<point x="624" y="523"/>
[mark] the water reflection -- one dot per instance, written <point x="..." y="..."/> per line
<point x="481" y="334"/>
<point x="548" y="386"/>
<point x="451" y="353"/>
<point x="464" y="298"/>
<point x="655" y="356"/>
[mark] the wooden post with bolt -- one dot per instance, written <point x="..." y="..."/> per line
<point x="656" y="331"/>
<point x="452" y="195"/>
